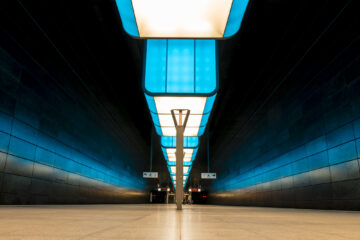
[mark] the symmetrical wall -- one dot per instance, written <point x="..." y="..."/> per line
<point x="53" y="148"/>
<point x="304" y="146"/>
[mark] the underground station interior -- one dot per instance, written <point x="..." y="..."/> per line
<point x="179" y="119"/>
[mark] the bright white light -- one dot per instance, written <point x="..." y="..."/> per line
<point x="164" y="105"/>
<point x="181" y="18"/>
<point x="159" y="189"/>
<point x="190" y="190"/>
<point x="173" y="169"/>
<point x="172" y="157"/>
<point x="168" y="189"/>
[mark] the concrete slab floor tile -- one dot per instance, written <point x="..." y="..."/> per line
<point x="165" y="222"/>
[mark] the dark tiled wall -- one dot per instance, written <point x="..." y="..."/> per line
<point x="306" y="152"/>
<point x="53" y="149"/>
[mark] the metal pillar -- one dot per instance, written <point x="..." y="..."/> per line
<point x="180" y="128"/>
<point x="179" y="165"/>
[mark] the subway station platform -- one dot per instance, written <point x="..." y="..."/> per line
<point x="165" y="222"/>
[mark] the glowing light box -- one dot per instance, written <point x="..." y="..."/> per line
<point x="169" y="155"/>
<point x="170" y="142"/>
<point x="181" y="18"/>
<point x="180" y="74"/>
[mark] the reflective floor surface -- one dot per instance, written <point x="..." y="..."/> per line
<point x="165" y="222"/>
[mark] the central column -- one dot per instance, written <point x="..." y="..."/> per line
<point x="179" y="161"/>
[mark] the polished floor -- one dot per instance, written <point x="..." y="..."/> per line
<point x="164" y="222"/>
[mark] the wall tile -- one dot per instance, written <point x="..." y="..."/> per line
<point x="301" y="180"/>
<point x="319" y="176"/>
<point x="19" y="166"/>
<point x="40" y="187"/>
<point x="356" y="125"/>
<point x="24" y="132"/>
<point x="4" y="142"/>
<point x="287" y="182"/>
<point x="44" y="172"/>
<point x="316" y="145"/>
<point x="1" y="182"/>
<point x="345" y="171"/>
<point x="60" y="176"/>
<point x="21" y="148"/>
<point x="2" y="161"/>
<point x="342" y="153"/>
<point x="318" y="160"/>
<point x="5" y="123"/>
<point x="16" y="184"/>
<point x="339" y="136"/>
<point x="44" y="156"/>
<point x="346" y="189"/>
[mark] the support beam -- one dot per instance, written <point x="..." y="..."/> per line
<point x="179" y="165"/>
<point x="180" y="129"/>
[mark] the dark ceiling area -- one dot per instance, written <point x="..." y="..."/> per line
<point x="82" y="45"/>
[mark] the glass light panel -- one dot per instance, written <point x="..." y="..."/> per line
<point x="180" y="66"/>
<point x="205" y="66"/>
<point x="170" y="142"/>
<point x="127" y="17"/>
<point x="181" y="18"/>
<point x="235" y="18"/>
<point x="156" y="57"/>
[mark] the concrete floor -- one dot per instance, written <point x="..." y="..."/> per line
<point x="164" y="222"/>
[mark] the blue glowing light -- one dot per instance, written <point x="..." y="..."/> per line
<point x="235" y="18"/>
<point x="127" y="17"/>
<point x="205" y="66"/>
<point x="180" y="67"/>
<point x="170" y="142"/>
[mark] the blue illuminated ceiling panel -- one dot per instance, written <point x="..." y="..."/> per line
<point x="170" y="142"/>
<point x="180" y="67"/>
<point x="127" y="17"/>
<point x="235" y="18"/>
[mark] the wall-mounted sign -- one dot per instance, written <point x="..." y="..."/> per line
<point x="150" y="175"/>
<point x="208" y="175"/>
